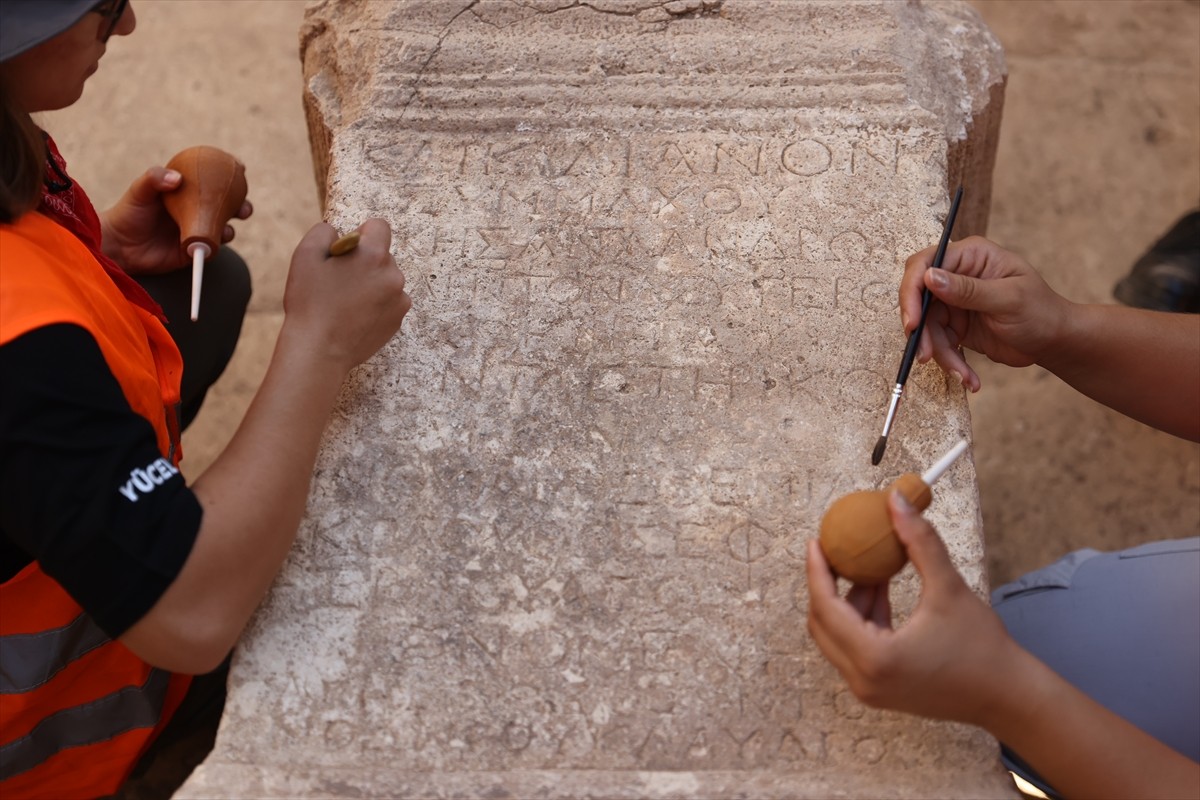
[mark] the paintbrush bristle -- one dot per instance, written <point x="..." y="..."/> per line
<point x="877" y="454"/>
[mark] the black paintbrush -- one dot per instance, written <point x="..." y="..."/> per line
<point x="910" y="350"/>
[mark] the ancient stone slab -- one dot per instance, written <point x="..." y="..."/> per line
<point x="556" y="541"/>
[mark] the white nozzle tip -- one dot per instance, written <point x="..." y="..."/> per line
<point x="199" y="247"/>
<point x="943" y="463"/>
<point x="199" y="252"/>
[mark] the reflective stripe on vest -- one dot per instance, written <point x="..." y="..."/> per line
<point x="23" y="663"/>
<point x="122" y="711"/>
<point x="78" y="709"/>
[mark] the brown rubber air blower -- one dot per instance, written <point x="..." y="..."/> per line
<point x="211" y="192"/>
<point x="857" y="537"/>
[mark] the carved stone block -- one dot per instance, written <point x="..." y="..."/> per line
<point x="555" y="546"/>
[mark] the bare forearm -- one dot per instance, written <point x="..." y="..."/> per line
<point x="1145" y="364"/>
<point x="253" y="497"/>
<point x="254" y="494"/>
<point x="1080" y="747"/>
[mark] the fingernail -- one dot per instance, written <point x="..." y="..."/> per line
<point x="901" y="502"/>
<point x="172" y="176"/>
<point x="961" y="378"/>
<point x="938" y="279"/>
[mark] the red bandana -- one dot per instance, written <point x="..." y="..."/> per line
<point x="69" y="206"/>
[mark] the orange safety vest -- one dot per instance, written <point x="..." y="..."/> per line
<point x="77" y="709"/>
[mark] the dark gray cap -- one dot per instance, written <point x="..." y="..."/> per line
<point x="27" y="23"/>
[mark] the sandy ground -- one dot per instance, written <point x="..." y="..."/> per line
<point x="1099" y="154"/>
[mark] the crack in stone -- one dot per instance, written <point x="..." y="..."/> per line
<point x="679" y="9"/>
<point x="416" y="87"/>
<point x="675" y="9"/>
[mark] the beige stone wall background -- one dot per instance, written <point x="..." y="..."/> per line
<point x="1099" y="153"/>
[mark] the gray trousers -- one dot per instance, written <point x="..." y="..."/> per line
<point x="1124" y="628"/>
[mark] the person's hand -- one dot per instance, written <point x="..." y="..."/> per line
<point x="946" y="662"/>
<point x="344" y="308"/>
<point x="140" y="235"/>
<point x="984" y="298"/>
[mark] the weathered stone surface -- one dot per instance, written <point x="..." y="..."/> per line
<point x="556" y="541"/>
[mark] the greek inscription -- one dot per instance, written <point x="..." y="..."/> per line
<point x="751" y="243"/>
<point x="418" y="240"/>
<point x="425" y="160"/>
<point x="722" y="200"/>
<point x="879" y="296"/>
<point x="517" y="736"/>
<point x="847" y="705"/>
<point x="870" y="750"/>
<point x="673" y="157"/>
<point x="767" y="194"/>
<point x="654" y="539"/>
<point x="418" y="158"/>
<point x="749" y="744"/>
<point x="725" y="490"/>
<point x="806" y="157"/>
<point x="749" y="542"/>
<point x="849" y="246"/>
<point x="672" y="243"/>
<point x="349" y="587"/>
<point x="577" y="742"/>
<point x="497" y="156"/>
<point x="603" y="288"/>
<point x="508" y="202"/>
<point x="667" y="198"/>
<point x="801" y="744"/>
<point x="655" y="750"/>
<point x="739" y="485"/>
<point x="607" y="241"/>
<point x="627" y="322"/>
<point x="623" y="202"/>
<point x="693" y="540"/>
<point x="339" y="734"/>
<point x="885" y="156"/>
<point x="747" y="158"/>
<point x="496" y="245"/>
<point x="685" y="290"/>
<point x="584" y="203"/>
<point x="697" y="748"/>
<point x="538" y="247"/>
<point x="569" y="163"/>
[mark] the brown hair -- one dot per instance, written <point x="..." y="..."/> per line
<point x="22" y="160"/>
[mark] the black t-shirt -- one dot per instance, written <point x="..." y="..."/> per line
<point x="84" y="490"/>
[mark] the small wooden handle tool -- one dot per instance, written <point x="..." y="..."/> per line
<point x="345" y="244"/>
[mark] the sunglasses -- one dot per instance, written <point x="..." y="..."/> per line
<point x="111" y="11"/>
